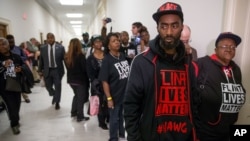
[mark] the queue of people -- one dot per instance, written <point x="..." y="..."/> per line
<point x="155" y="90"/>
<point x="170" y="97"/>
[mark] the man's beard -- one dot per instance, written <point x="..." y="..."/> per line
<point x="169" y="45"/>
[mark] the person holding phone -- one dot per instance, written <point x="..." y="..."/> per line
<point x="11" y="66"/>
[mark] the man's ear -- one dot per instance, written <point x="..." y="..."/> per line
<point x="157" y="27"/>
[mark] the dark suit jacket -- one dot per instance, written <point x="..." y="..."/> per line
<point x="44" y="60"/>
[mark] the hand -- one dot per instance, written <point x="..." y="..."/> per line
<point x="104" y="22"/>
<point x="18" y="69"/>
<point x="7" y="63"/>
<point x="40" y="73"/>
<point x="110" y="104"/>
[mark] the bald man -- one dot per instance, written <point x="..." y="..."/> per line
<point x="185" y="38"/>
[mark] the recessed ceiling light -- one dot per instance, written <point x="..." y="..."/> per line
<point x="71" y="2"/>
<point x="75" y="22"/>
<point x="76" y="26"/>
<point x="74" y="15"/>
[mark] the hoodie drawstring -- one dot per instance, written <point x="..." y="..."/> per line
<point x="229" y="73"/>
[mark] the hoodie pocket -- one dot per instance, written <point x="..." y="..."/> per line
<point x="215" y="122"/>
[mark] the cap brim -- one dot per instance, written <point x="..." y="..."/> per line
<point x="157" y="15"/>
<point x="234" y="37"/>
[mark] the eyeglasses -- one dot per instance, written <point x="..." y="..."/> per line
<point x="227" y="47"/>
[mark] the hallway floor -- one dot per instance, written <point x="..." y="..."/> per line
<point x="41" y="122"/>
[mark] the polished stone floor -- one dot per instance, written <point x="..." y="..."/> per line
<point x="41" y="122"/>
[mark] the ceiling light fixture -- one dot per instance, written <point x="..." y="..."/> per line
<point x="76" y="26"/>
<point x="71" y="2"/>
<point x="75" y="22"/>
<point x="74" y="15"/>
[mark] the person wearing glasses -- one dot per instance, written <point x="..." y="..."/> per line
<point x="221" y="91"/>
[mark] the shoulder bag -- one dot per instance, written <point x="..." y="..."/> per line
<point x="12" y="84"/>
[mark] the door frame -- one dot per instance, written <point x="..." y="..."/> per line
<point x="5" y="23"/>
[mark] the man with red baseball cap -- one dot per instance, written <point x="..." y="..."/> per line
<point x="159" y="99"/>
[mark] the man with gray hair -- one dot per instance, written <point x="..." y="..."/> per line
<point x="185" y="38"/>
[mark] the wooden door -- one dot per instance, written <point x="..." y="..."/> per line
<point x="3" y="30"/>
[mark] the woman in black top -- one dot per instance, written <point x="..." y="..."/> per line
<point x="11" y="66"/>
<point x="77" y="78"/>
<point x="221" y="90"/>
<point x="94" y="62"/>
<point x="114" y="74"/>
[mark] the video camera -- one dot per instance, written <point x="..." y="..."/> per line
<point x="108" y="20"/>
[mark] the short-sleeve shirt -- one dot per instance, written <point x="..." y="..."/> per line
<point x="115" y="71"/>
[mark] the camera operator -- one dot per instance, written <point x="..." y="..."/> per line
<point x="144" y="40"/>
<point x="136" y="27"/>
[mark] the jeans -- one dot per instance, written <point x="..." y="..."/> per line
<point x="116" y="126"/>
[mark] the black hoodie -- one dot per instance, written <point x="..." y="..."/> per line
<point x="158" y="101"/>
<point x="222" y="96"/>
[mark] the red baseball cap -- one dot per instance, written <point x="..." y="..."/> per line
<point x="168" y="8"/>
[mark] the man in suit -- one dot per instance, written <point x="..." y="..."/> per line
<point x="52" y="68"/>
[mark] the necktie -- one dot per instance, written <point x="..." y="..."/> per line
<point x="52" y="63"/>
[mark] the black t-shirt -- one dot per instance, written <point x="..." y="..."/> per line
<point x="130" y="49"/>
<point x="115" y="72"/>
<point x="9" y="71"/>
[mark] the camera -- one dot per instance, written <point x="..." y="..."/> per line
<point x="108" y="20"/>
<point x="137" y="40"/>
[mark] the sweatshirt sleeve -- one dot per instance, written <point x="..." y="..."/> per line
<point x="133" y="102"/>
